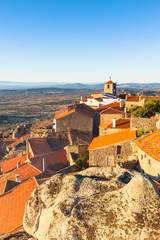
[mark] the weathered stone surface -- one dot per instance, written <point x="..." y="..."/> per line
<point x="100" y="203"/>
<point x="16" y="236"/>
<point x="19" y="132"/>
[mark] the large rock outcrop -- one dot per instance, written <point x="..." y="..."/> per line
<point x="99" y="203"/>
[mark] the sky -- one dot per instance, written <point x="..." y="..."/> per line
<point x="83" y="41"/>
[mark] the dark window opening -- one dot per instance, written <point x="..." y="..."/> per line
<point x="119" y="149"/>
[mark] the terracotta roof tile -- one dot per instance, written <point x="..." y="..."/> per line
<point x="25" y="171"/>
<point x="39" y="146"/>
<point x="12" y="163"/>
<point x="52" y="158"/>
<point x="109" y="82"/>
<point x="64" y="114"/>
<point x="120" y="123"/>
<point x="110" y="139"/>
<point x="17" y="141"/>
<point x="13" y="206"/>
<point x="97" y="93"/>
<point x="139" y="98"/>
<point x="111" y="111"/>
<point x="150" y="144"/>
<point x="80" y="111"/>
<point x="115" y="105"/>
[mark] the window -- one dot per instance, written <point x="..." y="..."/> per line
<point x="149" y="161"/>
<point x="145" y="155"/>
<point x="119" y="149"/>
<point x="142" y="156"/>
<point x="108" y="86"/>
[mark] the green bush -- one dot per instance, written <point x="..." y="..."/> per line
<point x="81" y="162"/>
<point x="148" y="110"/>
<point x="140" y="132"/>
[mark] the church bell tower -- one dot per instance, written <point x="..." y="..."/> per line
<point x="110" y="87"/>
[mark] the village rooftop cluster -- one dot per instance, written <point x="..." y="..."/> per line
<point x="97" y="126"/>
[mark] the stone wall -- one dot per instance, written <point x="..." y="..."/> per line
<point x="78" y="149"/>
<point x="129" y="164"/>
<point x="145" y="123"/>
<point x="58" y="166"/>
<point x="75" y="121"/>
<point x="40" y="133"/>
<point x="105" y="118"/>
<point x="98" y="156"/>
<point x="130" y="104"/>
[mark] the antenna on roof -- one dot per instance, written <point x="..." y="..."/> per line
<point x="110" y="78"/>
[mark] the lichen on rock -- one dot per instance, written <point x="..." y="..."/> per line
<point x="98" y="203"/>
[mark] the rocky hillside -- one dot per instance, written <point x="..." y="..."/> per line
<point x="99" y="203"/>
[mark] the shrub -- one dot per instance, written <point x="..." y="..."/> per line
<point x="81" y="162"/>
<point x="148" y="110"/>
<point x="140" y="132"/>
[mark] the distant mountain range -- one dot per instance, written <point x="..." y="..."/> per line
<point x="9" y="85"/>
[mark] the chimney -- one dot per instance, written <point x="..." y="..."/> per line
<point x="44" y="164"/>
<point x="28" y="158"/>
<point x="114" y="122"/>
<point x="21" y="153"/>
<point x="125" y="111"/>
<point x="18" y="164"/>
<point x="17" y="177"/>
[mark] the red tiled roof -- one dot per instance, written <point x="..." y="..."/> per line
<point x="39" y="146"/>
<point x="113" y="138"/>
<point x="150" y="144"/>
<point x="96" y="93"/>
<point x="155" y="117"/>
<point x="42" y="180"/>
<point x="115" y="105"/>
<point x="64" y="114"/>
<point x="17" y="141"/>
<point x="120" y="123"/>
<point x="109" y="82"/>
<point x="25" y="171"/>
<point x="139" y="98"/>
<point x="83" y="112"/>
<point x="12" y="163"/>
<point x="52" y="158"/>
<point x="111" y="111"/>
<point x="13" y="206"/>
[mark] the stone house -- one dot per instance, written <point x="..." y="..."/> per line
<point x="107" y="115"/>
<point x="114" y="127"/>
<point x="97" y="102"/>
<point x="133" y="101"/>
<point x="77" y="117"/>
<point x="112" y="148"/>
<point x="74" y="119"/>
<point x="148" y="148"/>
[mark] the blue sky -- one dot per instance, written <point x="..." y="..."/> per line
<point x="80" y="40"/>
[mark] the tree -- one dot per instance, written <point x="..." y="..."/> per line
<point x="81" y="162"/>
<point x="148" y="110"/>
